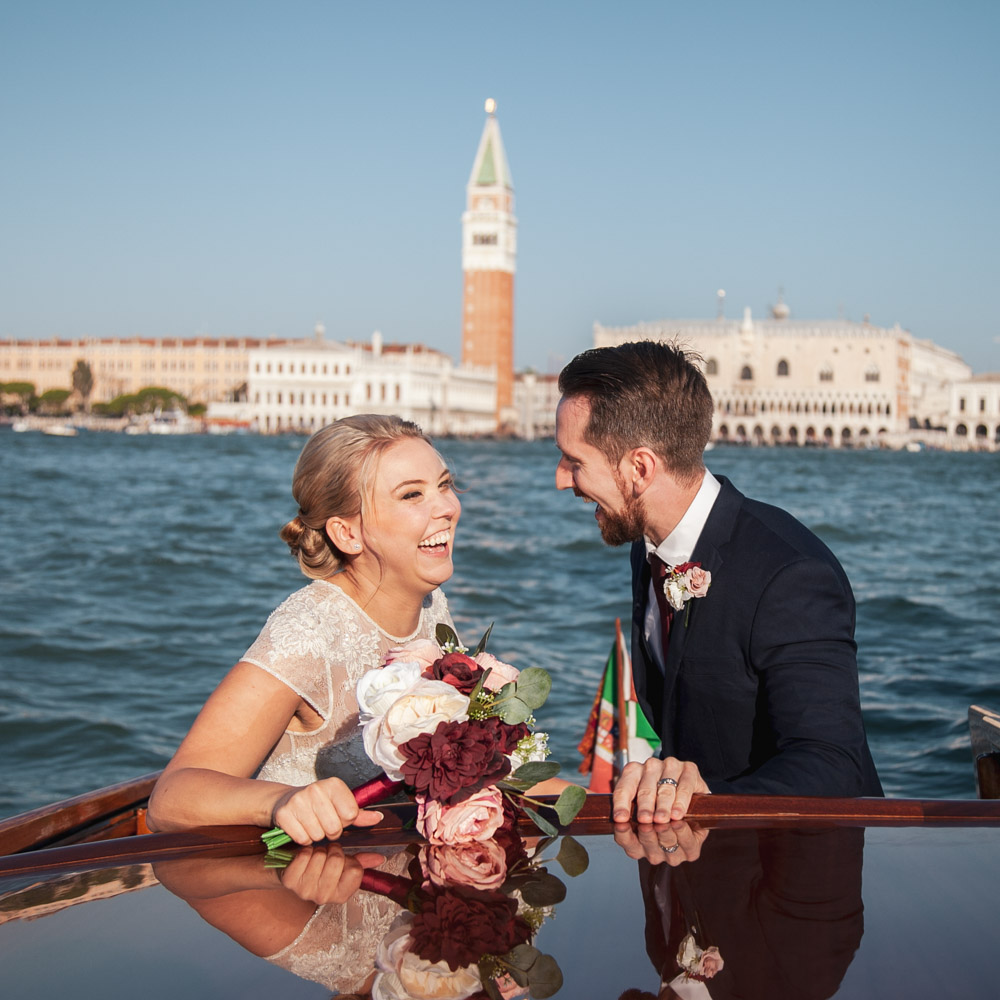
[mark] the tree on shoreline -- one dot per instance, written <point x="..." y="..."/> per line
<point x="83" y="382"/>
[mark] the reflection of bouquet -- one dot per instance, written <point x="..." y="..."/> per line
<point x="457" y="731"/>
<point x="471" y="912"/>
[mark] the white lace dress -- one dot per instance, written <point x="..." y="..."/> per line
<point x="319" y="642"/>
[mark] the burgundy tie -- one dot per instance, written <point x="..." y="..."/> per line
<point x="659" y="570"/>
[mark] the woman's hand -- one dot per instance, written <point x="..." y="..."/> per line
<point x="320" y="811"/>
<point x="325" y="874"/>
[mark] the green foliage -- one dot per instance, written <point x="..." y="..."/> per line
<point x="573" y="857"/>
<point x="54" y="401"/>
<point x="83" y="380"/>
<point x="569" y="803"/>
<point x="146" y="400"/>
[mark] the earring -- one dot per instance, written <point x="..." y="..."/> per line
<point x="357" y="545"/>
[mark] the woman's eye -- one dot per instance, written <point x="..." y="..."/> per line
<point x="412" y="495"/>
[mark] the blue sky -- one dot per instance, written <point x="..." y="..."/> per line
<point x="225" y="169"/>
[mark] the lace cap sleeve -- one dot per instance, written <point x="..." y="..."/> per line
<point x="298" y="645"/>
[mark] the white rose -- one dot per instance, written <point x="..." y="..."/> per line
<point x="676" y="594"/>
<point x="404" y="976"/>
<point x="378" y="689"/>
<point x="419" y="710"/>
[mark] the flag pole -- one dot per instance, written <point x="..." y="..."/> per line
<point x="622" y="714"/>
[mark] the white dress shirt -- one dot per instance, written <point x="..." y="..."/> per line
<point x="675" y="549"/>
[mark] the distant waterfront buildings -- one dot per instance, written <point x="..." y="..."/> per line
<point x="974" y="410"/>
<point x="832" y="382"/>
<point x="489" y="257"/>
<point x="302" y="385"/>
<point x="200" y="368"/>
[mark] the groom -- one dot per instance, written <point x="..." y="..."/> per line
<point x="751" y="684"/>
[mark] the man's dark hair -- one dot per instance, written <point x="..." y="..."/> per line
<point x="643" y="394"/>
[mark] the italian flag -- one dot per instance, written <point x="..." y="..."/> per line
<point x="608" y="745"/>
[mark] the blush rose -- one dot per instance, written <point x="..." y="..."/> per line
<point x="477" y="818"/>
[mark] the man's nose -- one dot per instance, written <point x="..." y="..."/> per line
<point x="564" y="477"/>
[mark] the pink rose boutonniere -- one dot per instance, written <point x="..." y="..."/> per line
<point x="683" y="582"/>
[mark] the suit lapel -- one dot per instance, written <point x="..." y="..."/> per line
<point x="718" y="529"/>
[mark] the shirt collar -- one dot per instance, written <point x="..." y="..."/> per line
<point x="677" y="547"/>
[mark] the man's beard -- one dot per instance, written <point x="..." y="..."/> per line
<point x="625" y="525"/>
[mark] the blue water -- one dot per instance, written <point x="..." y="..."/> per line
<point x="135" y="570"/>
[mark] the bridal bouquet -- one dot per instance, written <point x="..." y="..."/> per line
<point x="458" y="732"/>
<point x="471" y="912"/>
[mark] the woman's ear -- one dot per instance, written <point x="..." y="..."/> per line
<point x="345" y="533"/>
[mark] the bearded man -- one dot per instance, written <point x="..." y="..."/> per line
<point x="743" y="650"/>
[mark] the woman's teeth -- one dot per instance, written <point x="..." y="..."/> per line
<point x="441" y="538"/>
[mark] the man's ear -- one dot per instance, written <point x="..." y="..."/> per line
<point x="345" y="533"/>
<point x="642" y="464"/>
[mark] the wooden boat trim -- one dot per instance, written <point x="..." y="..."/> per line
<point x="83" y="816"/>
<point x="707" y="811"/>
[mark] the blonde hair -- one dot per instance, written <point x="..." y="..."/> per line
<point x="333" y="478"/>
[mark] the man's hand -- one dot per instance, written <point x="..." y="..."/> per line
<point x="672" y="844"/>
<point x="660" y="789"/>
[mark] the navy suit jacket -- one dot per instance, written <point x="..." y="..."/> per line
<point x="761" y="682"/>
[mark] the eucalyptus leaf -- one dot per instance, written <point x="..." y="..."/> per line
<point x="546" y="978"/>
<point x="489" y="986"/>
<point x="481" y="648"/>
<point x="543" y="889"/>
<point x="537" y="770"/>
<point x="512" y="711"/>
<point x="446" y="635"/>
<point x="514" y="785"/>
<point x="569" y="803"/>
<point x="522" y="957"/>
<point x="573" y="857"/>
<point x="543" y="824"/>
<point x="533" y="686"/>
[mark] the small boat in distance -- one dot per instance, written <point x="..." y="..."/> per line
<point x="60" y="430"/>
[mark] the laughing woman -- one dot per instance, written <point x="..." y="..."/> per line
<point x="279" y="741"/>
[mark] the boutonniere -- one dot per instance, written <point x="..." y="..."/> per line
<point x="683" y="582"/>
<point x="697" y="962"/>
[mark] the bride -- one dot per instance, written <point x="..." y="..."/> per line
<point x="279" y="742"/>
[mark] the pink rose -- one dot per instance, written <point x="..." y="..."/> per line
<point x="476" y="818"/>
<point x="509" y="989"/>
<point x="480" y="863"/>
<point x="698" y="581"/>
<point x="422" y="651"/>
<point x="500" y="673"/>
<point x="710" y="963"/>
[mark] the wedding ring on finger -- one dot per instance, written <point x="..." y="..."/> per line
<point x="666" y="781"/>
<point x="669" y="850"/>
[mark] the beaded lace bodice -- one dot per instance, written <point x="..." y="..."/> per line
<point x="319" y="642"/>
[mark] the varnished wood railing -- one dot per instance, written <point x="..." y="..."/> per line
<point x="709" y="811"/>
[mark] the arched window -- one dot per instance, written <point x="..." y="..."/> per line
<point x="747" y="373"/>
<point x="871" y="373"/>
<point x="711" y="367"/>
<point x="826" y="374"/>
<point x="961" y="430"/>
<point x="782" y="367"/>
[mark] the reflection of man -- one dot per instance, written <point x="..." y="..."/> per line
<point x="782" y="910"/>
<point x="753" y="687"/>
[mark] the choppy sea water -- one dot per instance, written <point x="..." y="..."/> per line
<point x="134" y="571"/>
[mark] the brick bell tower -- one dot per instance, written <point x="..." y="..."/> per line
<point x="489" y="253"/>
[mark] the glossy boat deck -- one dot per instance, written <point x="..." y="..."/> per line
<point x="797" y="907"/>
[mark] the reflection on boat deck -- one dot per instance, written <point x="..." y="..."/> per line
<point x="782" y="905"/>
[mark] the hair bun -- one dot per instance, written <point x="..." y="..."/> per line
<point x="292" y="534"/>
